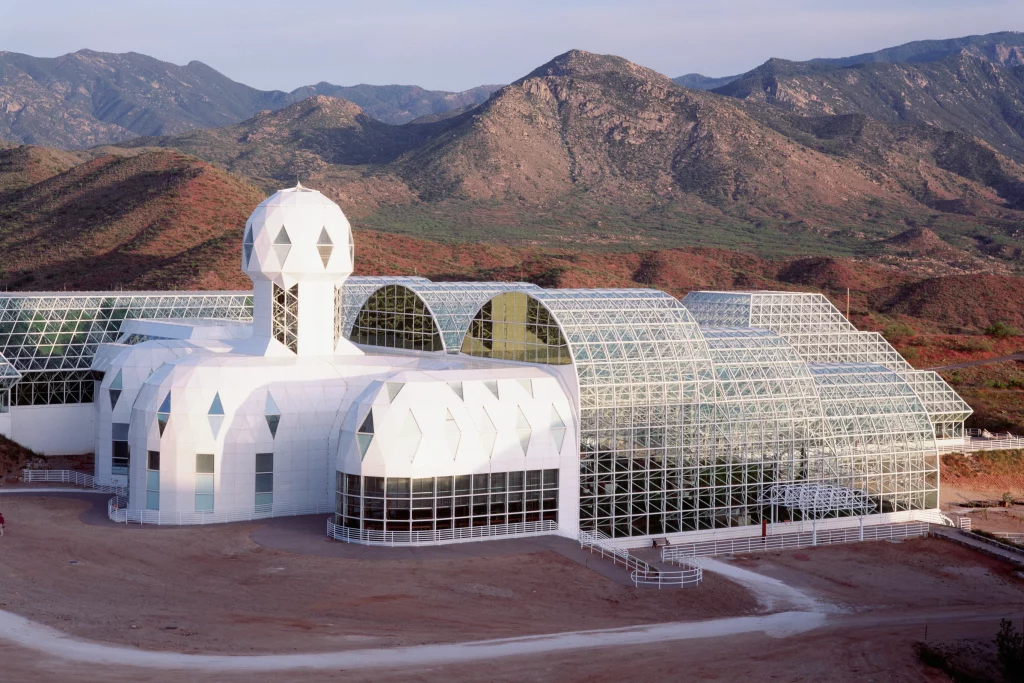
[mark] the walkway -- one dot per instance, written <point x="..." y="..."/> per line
<point x="983" y="361"/>
<point x="957" y="536"/>
<point x="48" y="641"/>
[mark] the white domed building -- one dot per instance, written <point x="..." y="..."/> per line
<point x="409" y="411"/>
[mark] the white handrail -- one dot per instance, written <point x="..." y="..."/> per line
<point x="118" y="511"/>
<point x="438" y="536"/>
<point x="71" y="477"/>
<point x="877" y="532"/>
<point x="642" y="573"/>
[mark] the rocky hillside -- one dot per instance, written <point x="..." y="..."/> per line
<point x="977" y="90"/>
<point x="595" y="150"/>
<point x="91" y="98"/>
<point x="155" y="218"/>
<point x="148" y="220"/>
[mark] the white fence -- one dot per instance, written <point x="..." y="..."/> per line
<point x="804" y="539"/>
<point x="979" y="440"/>
<point x="641" y="573"/>
<point x="70" y="477"/>
<point x="439" y="536"/>
<point x="1006" y="536"/>
<point x="118" y="511"/>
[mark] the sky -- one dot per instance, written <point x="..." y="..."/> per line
<point x="458" y="44"/>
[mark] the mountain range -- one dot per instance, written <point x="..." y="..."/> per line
<point x="89" y="98"/>
<point x="828" y="157"/>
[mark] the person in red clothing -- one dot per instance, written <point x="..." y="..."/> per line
<point x="1" y="525"/>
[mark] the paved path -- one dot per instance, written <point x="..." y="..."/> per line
<point x="1013" y="556"/>
<point x="983" y="361"/>
<point x="43" y="639"/>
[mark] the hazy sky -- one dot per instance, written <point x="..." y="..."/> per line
<point x="456" y="44"/>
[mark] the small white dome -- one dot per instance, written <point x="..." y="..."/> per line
<point x="297" y="235"/>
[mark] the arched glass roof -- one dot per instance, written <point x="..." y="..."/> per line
<point x="429" y="316"/>
<point x="766" y="403"/>
<point x="881" y="433"/>
<point x="354" y="292"/>
<point x="644" y="374"/>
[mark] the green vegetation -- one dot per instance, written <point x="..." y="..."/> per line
<point x="1000" y="330"/>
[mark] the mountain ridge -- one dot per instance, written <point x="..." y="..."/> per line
<point x="88" y="98"/>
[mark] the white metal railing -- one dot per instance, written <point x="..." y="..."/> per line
<point x="803" y="539"/>
<point x="641" y="573"/>
<point x="1006" y="536"/>
<point x="438" y="536"/>
<point x="70" y="477"/>
<point x="965" y="523"/>
<point x="982" y="440"/>
<point x="118" y="511"/>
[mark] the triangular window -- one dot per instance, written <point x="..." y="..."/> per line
<point x="527" y="385"/>
<point x="492" y="385"/>
<point x="115" y="390"/>
<point x="523" y="430"/>
<point x="393" y="389"/>
<point x="273" y="415"/>
<point x="247" y="243"/>
<point x="324" y="246"/>
<point x="163" y="414"/>
<point x="557" y="429"/>
<point x="367" y="426"/>
<point x="215" y="415"/>
<point x="457" y="388"/>
<point x="364" y="441"/>
<point x="282" y="246"/>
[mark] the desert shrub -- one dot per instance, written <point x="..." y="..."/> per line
<point x="897" y="330"/>
<point x="1001" y="330"/>
<point x="1010" y="645"/>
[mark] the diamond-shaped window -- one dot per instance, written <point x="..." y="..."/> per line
<point x="215" y="415"/>
<point x="273" y="415"/>
<point x="115" y="390"/>
<point x="163" y="414"/>
<point x="325" y="246"/>
<point x="247" y="243"/>
<point x="282" y="245"/>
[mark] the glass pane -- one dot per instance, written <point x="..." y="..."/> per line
<point x="264" y="483"/>
<point x="204" y="502"/>
<point x="152" y="500"/>
<point x="204" y="463"/>
<point x="204" y="483"/>
<point x="152" y="480"/>
<point x="264" y="498"/>
<point x="264" y="462"/>
<point x="153" y="460"/>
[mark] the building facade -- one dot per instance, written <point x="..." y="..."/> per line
<point x="420" y="412"/>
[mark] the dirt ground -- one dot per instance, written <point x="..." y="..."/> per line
<point x="1010" y="519"/>
<point x="225" y="593"/>
<point x="920" y="572"/>
<point x="212" y="589"/>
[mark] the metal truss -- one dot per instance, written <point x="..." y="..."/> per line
<point x="814" y="501"/>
